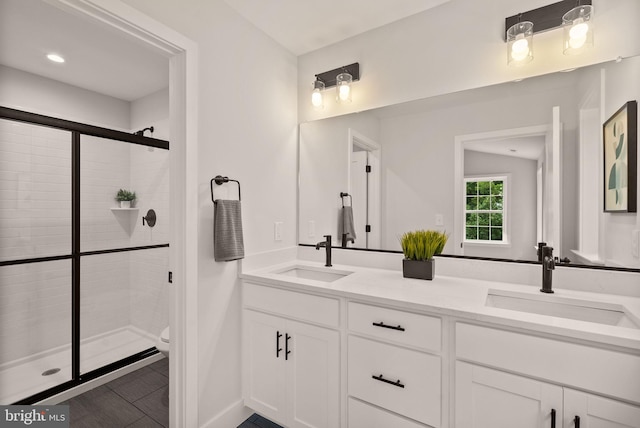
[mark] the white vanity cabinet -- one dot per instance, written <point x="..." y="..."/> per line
<point x="291" y="363"/>
<point x="507" y="379"/>
<point x="394" y="364"/>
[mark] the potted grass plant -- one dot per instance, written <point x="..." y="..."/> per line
<point x="125" y="197"/>
<point x="419" y="247"/>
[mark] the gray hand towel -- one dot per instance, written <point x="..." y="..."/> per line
<point x="228" y="243"/>
<point x="346" y="224"/>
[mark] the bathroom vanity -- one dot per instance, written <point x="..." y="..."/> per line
<point x="353" y="346"/>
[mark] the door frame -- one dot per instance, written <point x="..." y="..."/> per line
<point x="460" y="143"/>
<point x="374" y="197"/>
<point x="183" y="88"/>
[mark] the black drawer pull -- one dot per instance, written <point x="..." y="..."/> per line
<point x="390" y="382"/>
<point x="382" y="324"/>
<point x="576" y="422"/>
<point x="286" y="346"/>
<point x="278" y="348"/>
<point x="553" y="418"/>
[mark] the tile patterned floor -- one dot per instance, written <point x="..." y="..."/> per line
<point x="257" y="421"/>
<point x="137" y="400"/>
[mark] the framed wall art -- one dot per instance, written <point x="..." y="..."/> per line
<point x="620" y="140"/>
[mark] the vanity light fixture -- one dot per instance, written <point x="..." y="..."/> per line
<point x="343" y="87"/>
<point x="316" y="95"/>
<point x="520" y="43"/>
<point x="341" y="78"/>
<point x="575" y="16"/>
<point x="578" y="29"/>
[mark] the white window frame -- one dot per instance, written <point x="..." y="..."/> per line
<point x="505" y="178"/>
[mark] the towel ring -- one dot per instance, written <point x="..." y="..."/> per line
<point x="219" y="180"/>
<point x="342" y="195"/>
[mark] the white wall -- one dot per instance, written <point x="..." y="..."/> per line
<point x="248" y="132"/>
<point x="324" y="147"/>
<point x="25" y="91"/>
<point x="455" y="46"/>
<point x="521" y="205"/>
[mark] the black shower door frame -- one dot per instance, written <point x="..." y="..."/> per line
<point x="78" y="129"/>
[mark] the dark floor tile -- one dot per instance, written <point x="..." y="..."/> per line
<point x="156" y="405"/>
<point x="248" y="424"/>
<point x="257" y="421"/>
<point x="102" y="407"/>
<point x="161" y="366"/>
<point x="145" y="422"/>
<point x="265" y="423"/>
<point x="139" y="385"/>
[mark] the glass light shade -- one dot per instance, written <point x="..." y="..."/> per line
<point x="343" y="87"/>
<point x="520" y="43"/>
<point x="316" y="95"/>
<point x="578" y="29"/>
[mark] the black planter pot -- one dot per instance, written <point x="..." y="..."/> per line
<point x="419" y="269"/>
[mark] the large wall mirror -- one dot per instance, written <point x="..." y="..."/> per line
<point x="499" y="168"/>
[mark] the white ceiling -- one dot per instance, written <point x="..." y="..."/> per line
<point x="303" y="26"/>
<point x="106" y="61"/>
<point x="97" y="58"/>
<point x="521" y="147"/>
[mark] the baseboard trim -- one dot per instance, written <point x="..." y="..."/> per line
<point x="232" y="416"/>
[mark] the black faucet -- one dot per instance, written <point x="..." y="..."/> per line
<point x="327" y="245"/>
<point x="541" y="245"/>
<point x="548" y="265"/>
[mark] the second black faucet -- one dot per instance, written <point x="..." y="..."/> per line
<point x="327" y="244"/>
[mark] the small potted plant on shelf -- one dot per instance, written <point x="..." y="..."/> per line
<point x="125" y="198"/>
<point x="419" y="247"/>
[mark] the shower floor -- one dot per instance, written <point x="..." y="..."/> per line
<point x="22" y="378"/>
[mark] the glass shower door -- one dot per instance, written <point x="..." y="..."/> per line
<point x="35" y="259"/>
<point x="123" y="260"/>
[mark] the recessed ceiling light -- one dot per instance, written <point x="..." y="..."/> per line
<point x="55" y="58"/>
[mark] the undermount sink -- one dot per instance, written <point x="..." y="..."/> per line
<point x="314" y="273"/>
<point x="562" y="307"/>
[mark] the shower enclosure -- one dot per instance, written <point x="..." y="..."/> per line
<point x="83" y="282"/>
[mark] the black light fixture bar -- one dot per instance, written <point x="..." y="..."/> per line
<point x="329" y="77"/>
<point x="545" y="17"/>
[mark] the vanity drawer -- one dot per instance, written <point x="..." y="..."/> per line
<point x="300" y="306"/>
<point x="603" y="371"/>
<point x="410" y="383"/>
<point x="401" y="327"/>
<point x="362" y="415"/>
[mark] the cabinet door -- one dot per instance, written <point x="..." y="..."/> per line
<point x="598" y="412"/>
<point x="313" y="372"/>
<point x="263" y="366"/>
<point x="487" y="398"/>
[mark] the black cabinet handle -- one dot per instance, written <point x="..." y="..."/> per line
<point x="553" y="418"/>
<point x="383" y="325"/>
<point x="390" y="382"/>
<point x="576" y="422"/>
<point x="286" y="346"/>
<point x="278" y="348"/>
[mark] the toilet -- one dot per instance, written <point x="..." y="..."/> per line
<point x="163" y="342"/>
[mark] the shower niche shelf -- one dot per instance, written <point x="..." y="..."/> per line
<point x="126" y="218"/>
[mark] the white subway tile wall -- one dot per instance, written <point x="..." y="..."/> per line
<point x="35" y="191"/>
<point x="118" y="290"/>
<point x="35" y="309"/>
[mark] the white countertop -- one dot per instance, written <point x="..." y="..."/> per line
<point x="459" y="297"/>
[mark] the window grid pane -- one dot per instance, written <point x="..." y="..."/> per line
<point x="484" y="210"/>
